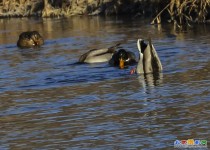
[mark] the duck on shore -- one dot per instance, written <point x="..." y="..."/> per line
<point x="30" y="39"/>
<point x="149" y="61"/>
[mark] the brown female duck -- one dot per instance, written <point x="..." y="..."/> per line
<point x="30" y="39"/>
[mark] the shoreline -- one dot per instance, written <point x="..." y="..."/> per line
<point x="179" y="12"/>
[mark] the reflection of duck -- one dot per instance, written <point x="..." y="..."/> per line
<point x="122" y="58"/>
<point x="30" y="39"/>
<point x="98" y="55"/>
<point x="149" y="61"/>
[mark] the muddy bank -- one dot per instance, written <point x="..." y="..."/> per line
<point x="51" y="8"/>
<point x="177" y="11"/>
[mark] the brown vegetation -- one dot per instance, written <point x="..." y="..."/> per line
<point x="177" y="11"/>
<point x="184" y="12"/>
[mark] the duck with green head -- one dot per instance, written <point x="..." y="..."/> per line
<point x="123" y="58"/>
<point x="119" y="58"/>
<point x="30" y="39"/>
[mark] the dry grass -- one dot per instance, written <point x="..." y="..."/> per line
<point x="184" y="12"/>
<point x="179" y="12"/>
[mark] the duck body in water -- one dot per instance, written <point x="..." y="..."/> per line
<point x="121" y="58"/>
<point x="30" y="39"/>
<point x="98" y="55"/>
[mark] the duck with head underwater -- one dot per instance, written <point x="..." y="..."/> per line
<point x="149" y="61"/>
<point x="122" y="58"/>
<point x="30" y="39"/>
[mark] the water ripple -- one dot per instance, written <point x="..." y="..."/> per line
<point x="48" y="101"/>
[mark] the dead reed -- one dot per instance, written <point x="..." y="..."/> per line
<point x="184" y="12"/>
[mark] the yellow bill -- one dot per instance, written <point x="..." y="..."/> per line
<point x="122" y="63"/>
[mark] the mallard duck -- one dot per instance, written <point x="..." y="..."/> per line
<point x="98" y="55"/>
<point x="122" y="58"/>
<point x="149" y="61"/>
<point x="30" y="39"/>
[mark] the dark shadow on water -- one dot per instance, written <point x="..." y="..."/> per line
<point x="30" y="53"/>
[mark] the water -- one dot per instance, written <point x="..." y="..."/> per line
<point x="49" y="102"/>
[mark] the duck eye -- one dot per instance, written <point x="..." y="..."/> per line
<point x="124" y="56"/>
<point x="35" y="36"/>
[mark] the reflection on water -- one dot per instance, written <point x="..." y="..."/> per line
<point x="48" y="101"/>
